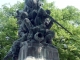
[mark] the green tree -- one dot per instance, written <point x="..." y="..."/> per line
<point x="68" y="45"/>
<point x="71" y="13"/>
<point x="8" y="27"/>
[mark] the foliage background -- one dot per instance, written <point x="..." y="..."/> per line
<point x="68" y="45"/>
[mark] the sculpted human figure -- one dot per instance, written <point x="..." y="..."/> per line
<point x="25" y="27"/>
<point x="31" y="25"/>
<point x="34" y="26"/>
<point x="21" y="15"/>
<point x="32" y="5"/>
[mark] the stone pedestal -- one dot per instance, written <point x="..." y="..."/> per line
<point x="38" y="51"/>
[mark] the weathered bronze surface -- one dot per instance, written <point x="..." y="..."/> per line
<point x="35" y="36"/>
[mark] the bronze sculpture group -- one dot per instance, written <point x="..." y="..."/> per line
<point x="34" y="26"/>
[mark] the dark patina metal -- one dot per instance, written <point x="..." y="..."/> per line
<point x="34" y="33"/>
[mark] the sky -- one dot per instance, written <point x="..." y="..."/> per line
<point x="63" y="3"/>
<point x="58" y="3"/>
